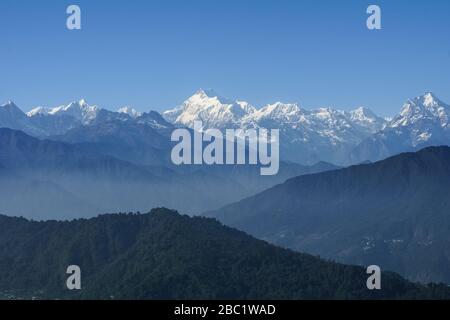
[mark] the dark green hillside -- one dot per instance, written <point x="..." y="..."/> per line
<point x="166" y="255"/>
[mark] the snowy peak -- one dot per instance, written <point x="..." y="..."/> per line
<point x="56" y="121"/>
<point x="282" y="112"/>
<point x="427" y="102"/>
<point x="11" y="109"/>
<point x="80" y="110"/>
<point x="11" y="116"/>
<point x="207" y="94"/>
<point x="426" y="107"/>
<point x="219" y="112"/>
<point x="154" y="119"/>
<point x="365" y="117"/>
<point x="130" y="111"/>
<point x="422" y="121"/>
<point x="326" y="113"/>
<point x="207" y="97"/>
<point x="431" y="101"/>
<point x="363" y="114"/>
<point x="247" y="107"/>
<point x="211" y="108"/>
<point x="279" y="107"/>
<point x="171" y="115"/>
<point x="307" y="136"/>
<point x="8" y="104"/>
<point x="300" y="124"/>
<point x="81" y="105"/>
<point x="38" y="111"/>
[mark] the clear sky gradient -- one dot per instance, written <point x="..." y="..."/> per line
<point x="154" y="54"/>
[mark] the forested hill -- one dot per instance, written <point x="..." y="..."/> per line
<point x="394" y="213"/>
<point x="166" y="255"/>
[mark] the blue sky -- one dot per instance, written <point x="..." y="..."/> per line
<point x="153" y="54"/>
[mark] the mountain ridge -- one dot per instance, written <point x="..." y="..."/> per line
<point x="306" y="136"/>
<point x="393" y="213"/>
<point x="108" y="167"/>
<point x="164" y="255"/>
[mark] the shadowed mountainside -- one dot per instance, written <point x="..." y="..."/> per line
<point x="394" y="213"/>
<point x="166" y="255"/>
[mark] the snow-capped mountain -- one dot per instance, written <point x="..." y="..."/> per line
<point x="368" y="119"/>
<point x="58" y="120"/>
<point x="426" y="107"/>
<point x="11" y="115"/>
<point x="79" y="110"/>
<point x="155" y="120"/>
<point x="38" y="111"/>
<point x="14" y="118"/>
<point x="212" y="109"/>
<point x="307" y="136"/>
<point x="45" y="122"/>
<point x="422" y="121"/>
<point x="130" y="111"/>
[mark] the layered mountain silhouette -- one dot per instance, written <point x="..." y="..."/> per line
<point x="394" y="213"/>
<point x="163" y="255"/>
<point x="79" y="160"/>
<point x="46" y="179"/>
<point x="133" y="141"/>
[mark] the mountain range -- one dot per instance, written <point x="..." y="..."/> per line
<point x="346" y="189"/>
<point x="325" y="134"/>
<point x="48" y="179"/>
<point x="306" y="136"/>
<point x="163" y="255"/>
<point x="394" y="213"/>
<point x="111" y="146"/>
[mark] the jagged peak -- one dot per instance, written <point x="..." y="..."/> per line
<point x="426" y="106"/>
<point x="204" y="95"/>
<point x="82" y="103"/>
<point x="38" y="111"/>
<point x="363" y="112"/>
<point x="362" y="109"/>
<point x="11" y="108"/>
<point x="429" y="99"/>
<point x="130" y="111"/>
<point x="207" y="92"/>
<point x="9" y="103"/>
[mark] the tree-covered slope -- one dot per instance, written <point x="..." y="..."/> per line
<point x="394" y="213"/>
<point x="165" y="255"/>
